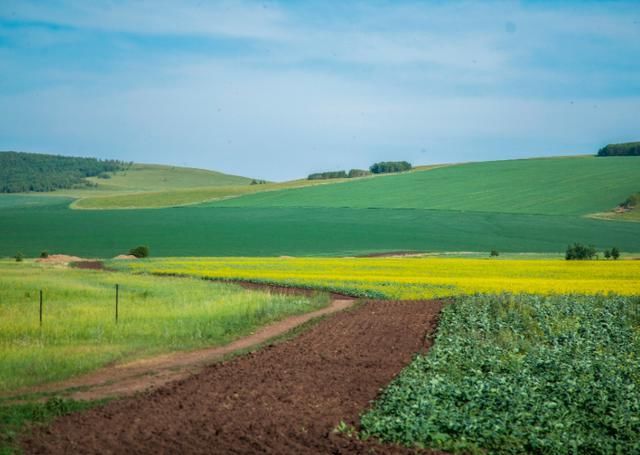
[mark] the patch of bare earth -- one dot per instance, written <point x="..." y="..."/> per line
<point x="59" y="259"/>
<point x="285" y="398"/>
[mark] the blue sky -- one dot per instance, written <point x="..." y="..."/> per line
<point x="281" y="89"/>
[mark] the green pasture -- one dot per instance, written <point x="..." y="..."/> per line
<point x="550" y="186"/>
<point x="521" y="374"/>
<point x="156" y="314"/>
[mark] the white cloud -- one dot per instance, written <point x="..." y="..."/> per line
<point x="335" y="90"/>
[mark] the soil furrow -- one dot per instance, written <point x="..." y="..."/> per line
<point x="285" y="398"/>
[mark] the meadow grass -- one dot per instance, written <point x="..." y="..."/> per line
<point x="551" y="186"/>
<point x="155" y="315"/>
<point x="411" y="278"/>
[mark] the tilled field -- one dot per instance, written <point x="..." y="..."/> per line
<point x="286" y="398"/>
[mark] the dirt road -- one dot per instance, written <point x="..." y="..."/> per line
<point x="285" y="398"/>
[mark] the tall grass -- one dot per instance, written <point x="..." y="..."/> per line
<point x="156" y="314"/>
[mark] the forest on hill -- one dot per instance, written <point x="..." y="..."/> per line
<point x="626" y="149"/>
<point x="22" y="172"/>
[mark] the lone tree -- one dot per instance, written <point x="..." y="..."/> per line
<point x="607" y="254"/>
<point x="615" y="253"/>
<point x="494" y="253"/>
<point x="579" y="252"/>
<point x="140" y="251"/>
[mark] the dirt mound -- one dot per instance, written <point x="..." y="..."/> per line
<point x="125" y="256"/>
<point x="286" y="398"/>
<point x="59" y="259"/>
<point x="90" y="265"/>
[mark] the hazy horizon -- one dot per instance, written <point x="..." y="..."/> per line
<point x="277" y="90"/>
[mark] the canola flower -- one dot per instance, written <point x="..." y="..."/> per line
<point x="412" y="278"/>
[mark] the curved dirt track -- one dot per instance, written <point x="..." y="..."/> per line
<point x="285" y="398"/>
<point x="153" y="372"/>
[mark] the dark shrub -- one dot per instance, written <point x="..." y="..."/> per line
<point x="494" y="253"/>
<point x="615" y="253"/>
<point x="44" y="254"/>
<point x="140" y="251"/>
<point x="632" y="201"/>
<point x="19" y="257"/>
<point x="579" y="252"/>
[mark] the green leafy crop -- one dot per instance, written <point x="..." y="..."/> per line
<point x="522" y="374"/>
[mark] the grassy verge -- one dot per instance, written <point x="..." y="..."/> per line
<point x="522" y="374"/>
<point x="155" y="315"/>
<point x="15" y="419"/>
<point x="410" y="278"/>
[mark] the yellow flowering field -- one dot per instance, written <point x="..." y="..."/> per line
<point x="411" y="278"/>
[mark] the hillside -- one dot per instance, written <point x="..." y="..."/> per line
<point x="174" y="197"/>
<point x="535" y="205"/>
<point x="552" y="186"/>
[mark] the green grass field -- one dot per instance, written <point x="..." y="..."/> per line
<point x="155" y="315"/>
<point x="550" y="186"/>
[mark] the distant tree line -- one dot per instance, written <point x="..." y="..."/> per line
<point x="390" y="166"/>
<point x="377" y="168"/>
<point x="23" y="172"/>
<point x="627" y="149"/>
<point x="328" y="175"/>
<point x="580" y="252"/>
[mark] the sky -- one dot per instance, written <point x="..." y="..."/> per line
<point x="277" y="90"/>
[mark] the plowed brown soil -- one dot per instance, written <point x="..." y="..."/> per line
<point x="286" y="398"/>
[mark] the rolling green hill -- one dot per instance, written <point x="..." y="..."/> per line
<point x="552" y="186"/>
<point x="536" y="205"/>
<point x="179" y="196"/>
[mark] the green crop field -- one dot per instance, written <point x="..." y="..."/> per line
<point x="193" y="231"/>
<point x="537" y="205"/>
<point x="551" y="186"/>
<point x="155" y="315"/>
<point x="521" y="374"/>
